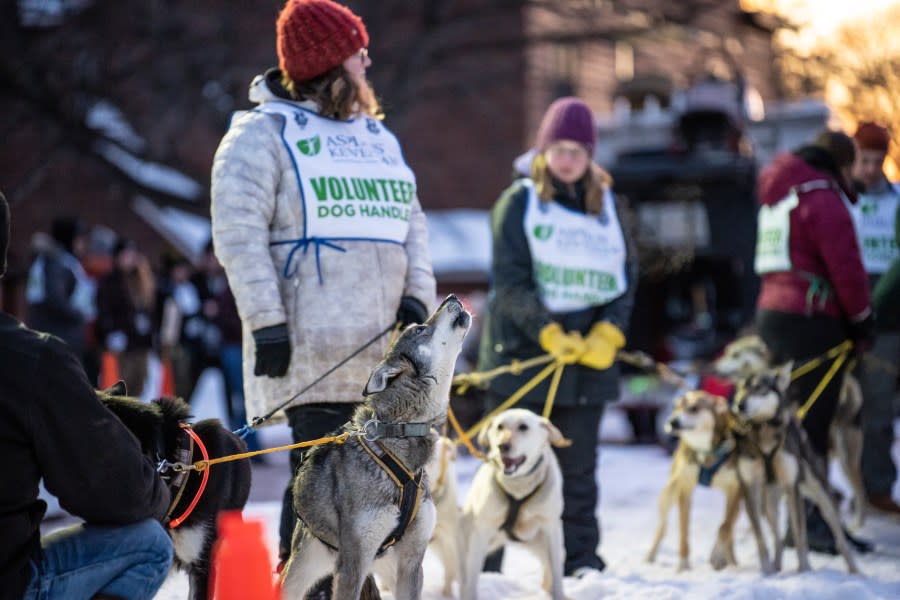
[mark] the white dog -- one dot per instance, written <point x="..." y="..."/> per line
<point x="516" y="495"/>
<point x="441" y="473"/>
<point x="441" y="470"/>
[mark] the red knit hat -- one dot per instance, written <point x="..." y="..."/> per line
<point x="567" y="119"/>
<point x="870" y="136"/>
<point x="314" y="36"/>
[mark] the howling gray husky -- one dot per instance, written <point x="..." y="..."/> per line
<point x="367" y="498"/>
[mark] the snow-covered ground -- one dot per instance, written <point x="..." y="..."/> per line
<point x="630" y="479"/>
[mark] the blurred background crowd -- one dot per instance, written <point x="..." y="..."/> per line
<point x="155" y="321"/>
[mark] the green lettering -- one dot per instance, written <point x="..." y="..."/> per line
<point x="318" y="184"/>
<point x="371" y="189"/>
<point x="334" y="186"/>
<point x="346" y="186"/>
<point x="394" y="189"/>
<point x="358" y="190"/>
<point x="384" y="191"/>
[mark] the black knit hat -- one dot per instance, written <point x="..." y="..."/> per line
<point x="839" y="145"/>
<point x="65" y="229"/>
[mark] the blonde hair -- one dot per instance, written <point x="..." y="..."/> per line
<point x="141" y="284"/>
<point x="337" y="94"/>
<point x="596" y="181"/>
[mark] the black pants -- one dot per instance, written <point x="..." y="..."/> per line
<point x="800" y="338"/>
<point x="578" y="464"/>
<point x="307" y="423"/>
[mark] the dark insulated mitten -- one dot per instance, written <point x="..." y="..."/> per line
<point x="273" y="350"/>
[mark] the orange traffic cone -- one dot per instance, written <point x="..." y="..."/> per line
<point x="109" y="370"/>
<point x="167" y="387"/>
<point x="241" y="569"/>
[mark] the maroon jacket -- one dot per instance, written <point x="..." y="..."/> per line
<point x="822" y="242"/>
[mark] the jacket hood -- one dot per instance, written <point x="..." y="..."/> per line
<point x="522" y="164"/>
<point x="791" y="169"/>
<point x="267" y="87"/>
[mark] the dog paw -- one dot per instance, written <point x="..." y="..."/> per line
<point x="718" y="558"/>
<point x="650" y="558"/>
<point x="684" y="565"/>
<point x="767" y="568"/>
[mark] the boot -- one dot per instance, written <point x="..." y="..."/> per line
<point x="885" y="503"/>
<point x="819" y="538"/>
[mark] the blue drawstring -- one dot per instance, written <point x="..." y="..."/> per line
<point x="304" y="243"/>
<point x="243" y="432"/>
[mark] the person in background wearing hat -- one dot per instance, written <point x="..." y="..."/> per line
<point x="54" y="428"/>
<point x="814" y="294"/>
<point x="318" y="225"/>
<point x="875" y="217"/>
<point x="563" y="280"/>
<point x="125" y="300"/>
<point x="59" y="293"/>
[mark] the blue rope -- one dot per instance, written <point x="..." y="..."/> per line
<point x="243" y="432"/>
<point x="303" y="244"/>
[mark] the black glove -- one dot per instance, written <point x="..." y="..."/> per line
<point x="861" y="333"/>
<point x="411" y="311"/>
<point x="273" y="350"/>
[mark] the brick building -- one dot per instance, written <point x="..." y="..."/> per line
<point x="119" y="101"/>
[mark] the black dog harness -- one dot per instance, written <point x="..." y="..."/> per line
<point x="409" y="484"/>
<point x="184" y="454"/>
<point x="515" y="505"/>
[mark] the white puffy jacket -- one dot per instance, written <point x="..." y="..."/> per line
<point x="255" y="200"/>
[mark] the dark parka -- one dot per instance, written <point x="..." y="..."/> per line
<point x="55" y="312"/>
<point x="52" y="426"/>
<point x="516" y="313"/>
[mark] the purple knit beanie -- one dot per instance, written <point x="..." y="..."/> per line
<point x="567" y="119"/>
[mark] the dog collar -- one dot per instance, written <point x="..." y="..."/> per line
<point x="373" y="429"/>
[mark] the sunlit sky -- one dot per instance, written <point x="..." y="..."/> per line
<point x="822" y="16"/>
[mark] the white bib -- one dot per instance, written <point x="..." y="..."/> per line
<point x="353" y="180"/>
<point x="578" y="259"/>
<point x="874" y="217"/>
<point x="773" y="231"/>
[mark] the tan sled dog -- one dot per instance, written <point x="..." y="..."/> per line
<point x="748" y="355"/>
<point x="709" y="450"/>
<point x="791" y="464"/>
<point x="516" y="495"/>
<point x="441" y="471"/>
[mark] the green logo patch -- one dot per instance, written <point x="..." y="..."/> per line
<point x="310" y="146"/>
<point x="543" y="232"/>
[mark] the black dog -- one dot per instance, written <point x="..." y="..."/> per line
<point x="158" y="427"/>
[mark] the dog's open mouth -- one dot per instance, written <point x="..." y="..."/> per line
<point x="510" y="465"/>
